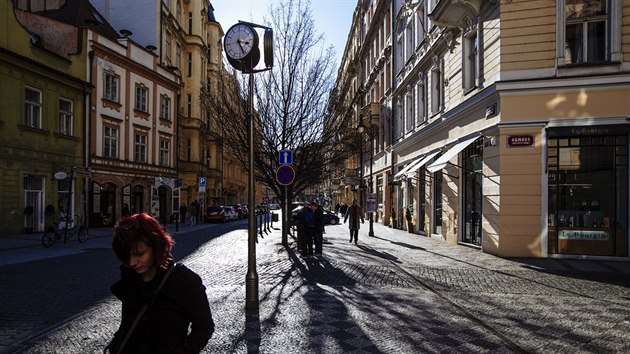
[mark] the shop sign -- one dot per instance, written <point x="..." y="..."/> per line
<point x="520" y="140"/>
<point x="583" y="235"/>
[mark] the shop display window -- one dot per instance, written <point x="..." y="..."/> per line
<point x="588" y="195"/>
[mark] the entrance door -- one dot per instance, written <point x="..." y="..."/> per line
<point x="108" y="204"/>
<point x="472" y="158"/>
<point x="33" y="203"/>
<point x="437" y="203"/>
<point x="137" y="199"/>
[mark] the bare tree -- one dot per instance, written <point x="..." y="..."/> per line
<point x="292" y="106"/>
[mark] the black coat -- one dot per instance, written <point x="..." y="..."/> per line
<point x="164" y="326"/>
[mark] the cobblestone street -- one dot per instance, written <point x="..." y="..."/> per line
<point x="393" y="293"/>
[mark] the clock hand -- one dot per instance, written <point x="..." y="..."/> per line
<point x="240" y="45"/>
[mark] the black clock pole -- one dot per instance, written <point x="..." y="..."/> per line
<point x="251" y="281"/>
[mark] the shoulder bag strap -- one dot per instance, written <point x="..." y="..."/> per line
<point x="144" y="309"/>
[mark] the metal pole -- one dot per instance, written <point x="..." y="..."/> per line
<point x="361" y="174"/>
<point x="371" y="232"/>
<point x="251" y="279"/>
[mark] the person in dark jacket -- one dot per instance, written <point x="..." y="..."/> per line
<point x="144" y="249"/>
<point x="354" y="213"/>
<point x="318" y="230"/>
<point x="301" y="230"/>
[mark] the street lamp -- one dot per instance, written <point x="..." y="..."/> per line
<point x="361" y="129"/>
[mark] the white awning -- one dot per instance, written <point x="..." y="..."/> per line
<point x="406" y="168"/>
<point x="422" y="162"/>
<point x="452" y="152"/>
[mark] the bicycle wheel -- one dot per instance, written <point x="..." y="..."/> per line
<point x="82" y="235"/>
<point x="48" y="238"/>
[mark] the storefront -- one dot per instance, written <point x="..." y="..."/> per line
<point x="588" y="191"/>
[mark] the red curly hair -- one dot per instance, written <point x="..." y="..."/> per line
<point x="142" y="227"/>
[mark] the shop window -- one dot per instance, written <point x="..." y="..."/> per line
<point x="588" y="195"/>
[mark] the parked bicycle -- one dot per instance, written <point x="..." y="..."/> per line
<point x="65" y="229"/>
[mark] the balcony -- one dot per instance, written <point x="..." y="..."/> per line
<point x="454" y="13"/>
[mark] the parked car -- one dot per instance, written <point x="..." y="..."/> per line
<point x="215" y="214"/>
<point x="330" y="218"/>
<point x="274" y="206"/>
<point x="239" y="211"/>
<point x="230" y="213"/>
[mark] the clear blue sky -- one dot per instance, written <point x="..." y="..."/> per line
<point x="332" y="17"/>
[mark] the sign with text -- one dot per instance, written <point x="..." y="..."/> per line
<point x="371" y="203"/>
<point x="520" y="140"/>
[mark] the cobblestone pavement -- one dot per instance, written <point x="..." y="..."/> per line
<point x="393" y="293"/>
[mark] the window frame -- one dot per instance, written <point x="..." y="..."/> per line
<point x="33" y="109"/>
<point x="140" y="143"/>
<point x="613" y="39"/>
<point x="470" y="59"/>
<point x="111" y="83"/>
<point x="110" y="141"/>
<point x="165" y="152"/>
<point x="165" y="107"/>
<point x="66" y="118"/>
<point x="141" y="98"/>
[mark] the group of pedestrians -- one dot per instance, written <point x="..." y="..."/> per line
<point x="192" y="214"/>
<point x="310" y="229"/>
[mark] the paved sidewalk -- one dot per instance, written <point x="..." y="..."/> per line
<point x="392" y="293"/>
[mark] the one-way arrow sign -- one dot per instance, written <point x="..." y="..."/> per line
<point x="285" y="157"/>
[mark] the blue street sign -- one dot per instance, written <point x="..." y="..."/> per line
<point x="285" y="175"/>
<point x="202" y="181"/>
<point x="285" y="157"/>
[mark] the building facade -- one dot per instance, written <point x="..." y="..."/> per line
<point x="42" y="129"/>
<point x="509" y="124"/>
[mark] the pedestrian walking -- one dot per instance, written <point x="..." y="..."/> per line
<point x="318" y="230"/>
<point x="354" y="213"/>
<point x="337" y="208"/>
<point x="310" y="228"/>
<point x="183" y="210"/>
<point x="343" y="208"/>
<point x="301" y="229"/>
<point x="160" y="299"/>
<point x="194" y="212"/>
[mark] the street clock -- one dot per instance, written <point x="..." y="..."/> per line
<point x="241" y="47"/>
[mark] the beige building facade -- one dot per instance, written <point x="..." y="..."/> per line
<point x="509" y="124"/>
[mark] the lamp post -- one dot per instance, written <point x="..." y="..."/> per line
<point x="361" y="129"/>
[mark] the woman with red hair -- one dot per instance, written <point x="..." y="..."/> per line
<point x="160" y="299"/>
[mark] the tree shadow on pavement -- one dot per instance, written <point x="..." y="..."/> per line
<point x="402" y="244"/>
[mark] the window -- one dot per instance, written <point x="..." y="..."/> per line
<point x="421" y="94"/>
<point x="420" y="29"/>
<point x="111" y="87"/>
<point x="167" y="45"/>
<point x="409" y="46"/>
<point x="140" y="148"/>
<point x="190" y="23"/>
<point x="586" y="23"/>
<point x="110" y="142"/>
<point x="409" y="101"/>
<point x="178" y="55"/>
<point x="40" y="5"/>
<point x="142" y="93"/>
<point x="588" y="31"/>
<point x="188" y="105"/>
<point x="165" y="151"/>
<point x="32" y="108"/>
<point x="470" y="55"/>
<point x="436" y="90"/>
<point x="65" y="117"/>
<point x="165" y="107"/>
<point x="179" y="13"/>
<point x="190" y="61"/>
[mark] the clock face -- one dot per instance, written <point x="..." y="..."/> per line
<point x="239" y="41"/>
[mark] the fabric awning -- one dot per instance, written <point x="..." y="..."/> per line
<point x="407" y="168"/>
<point x="452" y="152"/>
<point x="422" y="162"/>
